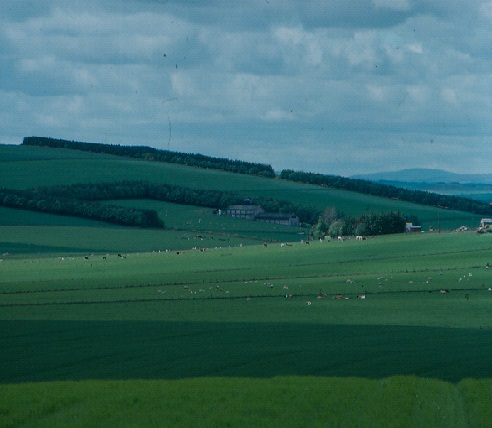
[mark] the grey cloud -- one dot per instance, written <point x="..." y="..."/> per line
<point x="339" y="86"/>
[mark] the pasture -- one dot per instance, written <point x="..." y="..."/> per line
<point x="251" y="335"/>
<point x="57" y="166"/>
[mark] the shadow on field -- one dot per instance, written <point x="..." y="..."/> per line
<point x="76" y="350"/>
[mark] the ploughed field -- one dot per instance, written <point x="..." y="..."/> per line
<point x="252" y="335"/>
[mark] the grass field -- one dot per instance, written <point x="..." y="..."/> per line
<point x="210" y="338"/>
<point x="218" y="402"/>
<point x="103" y="325"/>
<point x="57" y="166"/>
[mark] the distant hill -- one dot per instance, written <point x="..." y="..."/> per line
<point x="423" y="175"/>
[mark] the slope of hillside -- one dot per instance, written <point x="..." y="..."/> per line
<point x="23" y="167"/>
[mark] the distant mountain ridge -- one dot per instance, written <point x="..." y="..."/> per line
<point x="424" y="175"/>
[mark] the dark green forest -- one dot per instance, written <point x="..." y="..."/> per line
<point x="151" y="154"/>
<point x="36" y="200"/>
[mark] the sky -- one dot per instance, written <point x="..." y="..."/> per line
<point x="337" y="87"/>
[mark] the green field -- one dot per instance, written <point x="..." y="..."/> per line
<point x="210" y="338"/>
<point x="62" y="166"/>
<point x="214" y="321"/>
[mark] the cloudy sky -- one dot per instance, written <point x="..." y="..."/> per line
<point x="339" y="86"/>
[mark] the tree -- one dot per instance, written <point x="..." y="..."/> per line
<point x="336" y="228"/>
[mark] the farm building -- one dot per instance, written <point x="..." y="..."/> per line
<point x="410" y="227"/>
<point x="257" y="213"/>
<point x="248" y="212"/>
<point x="486" y="223"/>
<point x="279" y="218"/>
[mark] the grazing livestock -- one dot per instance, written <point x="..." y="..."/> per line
<point x="360" y="238"/>
<point x="361" y="296"/>
<point x="340" y="238"/>
<point x="337" y="296"/>
<point x="444" y="291"/>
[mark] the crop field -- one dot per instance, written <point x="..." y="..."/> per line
<point x="251" y="336"/>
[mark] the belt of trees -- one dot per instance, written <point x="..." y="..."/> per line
<point x="37" y="201"/>
<point x="331" y="223"/>
<point x="389" y="191"/>
<point x="152" y="154"/>
<point x="215" y="199"/>
<point x="81" y="200"/>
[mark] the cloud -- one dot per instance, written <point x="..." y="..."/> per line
<point x="339" y="86"/>
<point x="400" y="5"/>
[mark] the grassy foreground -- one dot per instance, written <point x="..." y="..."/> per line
<point x="210" y="338"/>
<point x="276" y="402"/>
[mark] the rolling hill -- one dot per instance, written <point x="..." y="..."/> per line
<point x="424" y="175"/>
<point x="102" y="323"/>
<point x="26" y="167"/>
<point x="472" y="186"/>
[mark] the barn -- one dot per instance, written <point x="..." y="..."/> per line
<point x="279" y="218"/>
<point x="411" y="228"/>
<point x="248" y="212"/>
<point x="257" y="213"/>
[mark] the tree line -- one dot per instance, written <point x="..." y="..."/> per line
<point x="157" y="155"/>
<point x="136" y="189"/>
<point x="332" y="223"/>
<point x="83" y="200"/>
<point x="389" y="191"/>
<point x="35" y="200"/>
<point x="265" y="170"/>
